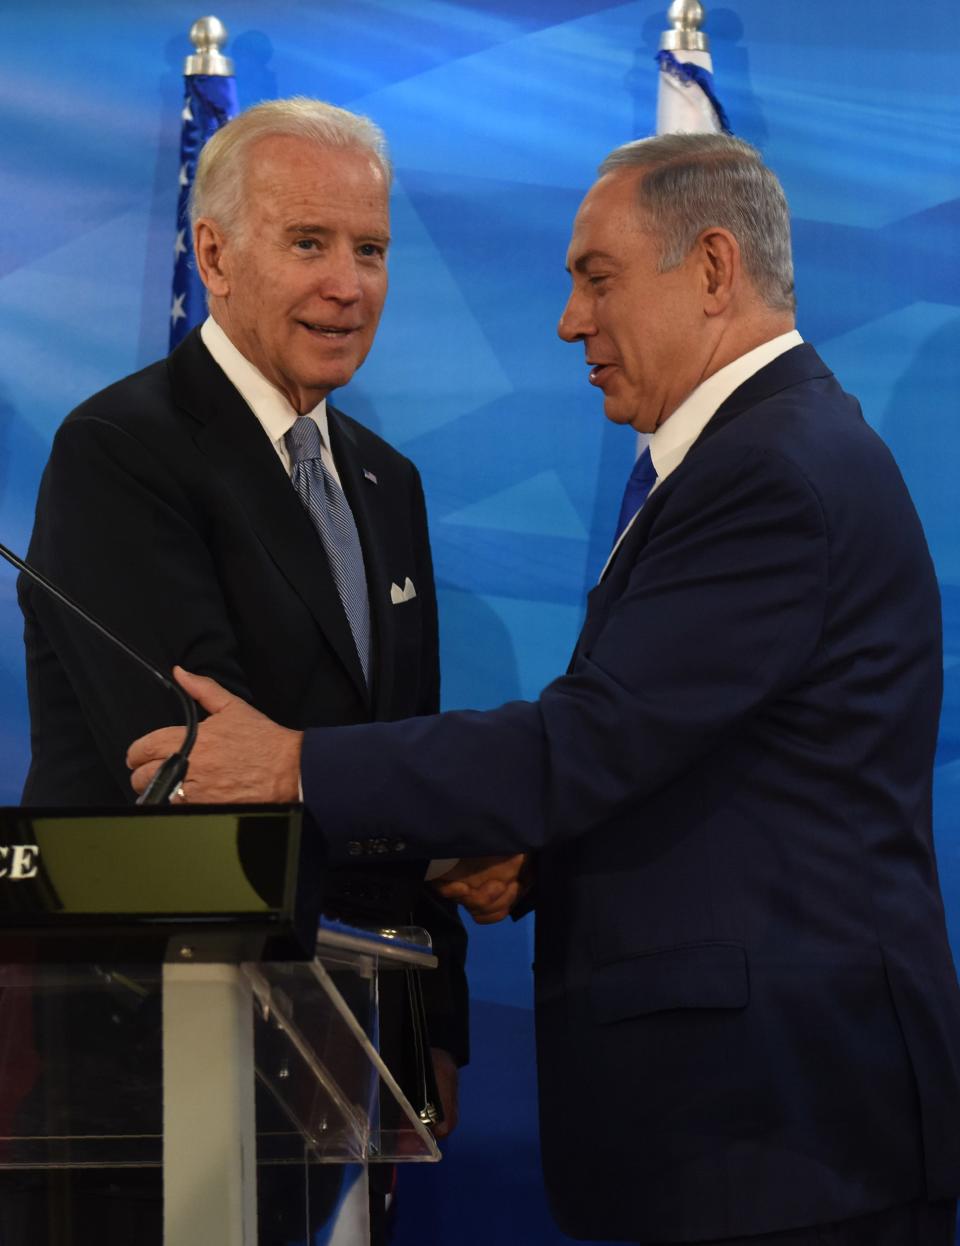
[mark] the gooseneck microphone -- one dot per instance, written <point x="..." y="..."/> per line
<point x="164" y="782"/>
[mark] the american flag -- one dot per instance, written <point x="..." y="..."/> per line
<point x="210" y="102"/>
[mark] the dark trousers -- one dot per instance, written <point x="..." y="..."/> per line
<point x="911" y="1224"/>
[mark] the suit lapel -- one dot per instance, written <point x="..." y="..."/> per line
<point x="240" y="454"/>
<point x="365" y="498"/>
<point x="801" y="363"/>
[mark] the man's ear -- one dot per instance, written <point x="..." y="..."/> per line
<point x="720" y="265"/>
<point x="208" y="248"/>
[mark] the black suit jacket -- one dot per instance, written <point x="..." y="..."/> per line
<point x="167" y="512"/>
<point x="748" y="1018"/>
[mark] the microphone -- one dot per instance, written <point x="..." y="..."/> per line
<point x="164" y="782"/>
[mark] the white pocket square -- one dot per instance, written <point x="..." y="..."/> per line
<point x="399" y="595"/>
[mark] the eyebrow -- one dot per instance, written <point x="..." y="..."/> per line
<point x="588" y="257"/>
<point x="327" y="229"/>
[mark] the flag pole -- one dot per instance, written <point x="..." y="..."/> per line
<point x="685" y="18"/>
<point x="208" y="36"/>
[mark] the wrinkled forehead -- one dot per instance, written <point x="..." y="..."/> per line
<point x="284" y="159"/>
<point x="295" y="181"/>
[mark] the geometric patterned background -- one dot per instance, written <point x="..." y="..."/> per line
<point x="497" y="114"/>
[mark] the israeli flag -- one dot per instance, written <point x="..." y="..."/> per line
<point x="686" y="100"/>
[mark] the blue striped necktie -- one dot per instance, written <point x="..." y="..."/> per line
<point x="327" y="506"/>
<point x="640" y="482"/>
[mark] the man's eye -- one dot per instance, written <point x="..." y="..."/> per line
<point x="371" y="249"/>
<point x="306" y="244"/>
<point x="596" y="279"/>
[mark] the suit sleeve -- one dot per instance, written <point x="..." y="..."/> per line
<point x="119" y="533"/>
<point x="723" y="608"/>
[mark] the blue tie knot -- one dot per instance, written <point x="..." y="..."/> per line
<point x="303" y="440"/>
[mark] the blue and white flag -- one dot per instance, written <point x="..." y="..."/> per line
<point x="686" y="100"/>
<point x="210" y="102"/>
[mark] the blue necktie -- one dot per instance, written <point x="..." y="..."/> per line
<point x="330" y="512"/>
<point x="640" y="482"/>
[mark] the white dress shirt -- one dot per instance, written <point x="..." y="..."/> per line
<point x="271" y="408"/>
<point x="669" y="444"/>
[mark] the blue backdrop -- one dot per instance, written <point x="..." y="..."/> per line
<point x="497" y="113"/>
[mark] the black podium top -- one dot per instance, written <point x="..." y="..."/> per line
<point x="181" y="883"/>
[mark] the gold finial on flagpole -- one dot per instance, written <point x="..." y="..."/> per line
<point x="208" y="35"/>
<point x="685" y="18"/>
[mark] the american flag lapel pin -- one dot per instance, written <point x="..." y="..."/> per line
<point x="368" y="475"/>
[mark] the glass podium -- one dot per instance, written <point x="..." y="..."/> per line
<point x="255" y="1086"/>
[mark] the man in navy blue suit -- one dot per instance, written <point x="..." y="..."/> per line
<point x="748" y="1017"/>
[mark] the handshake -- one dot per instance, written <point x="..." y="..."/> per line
<point x="487" y="887"/>
<point x="241" y="756"/>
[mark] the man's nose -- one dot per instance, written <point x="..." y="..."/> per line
<point x="341" y="277"/>
<point x="575" y="322"/>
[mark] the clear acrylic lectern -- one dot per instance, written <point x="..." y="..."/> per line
<point x="254" y="1085"/>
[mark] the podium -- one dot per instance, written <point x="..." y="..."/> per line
<point x="170" y="1003"/>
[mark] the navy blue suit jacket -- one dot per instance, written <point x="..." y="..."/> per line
<point x="747" y="1014"/>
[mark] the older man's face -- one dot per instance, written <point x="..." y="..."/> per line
<point x="641" y="329"/>
<point x="306" y="275"/>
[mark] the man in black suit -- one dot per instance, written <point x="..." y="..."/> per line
<point x="181" y="506"/>
<point x="748" y="1018"/>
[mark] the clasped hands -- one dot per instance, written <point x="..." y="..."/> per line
<point x="487" y="887"/>
<point x="243" y="756"/>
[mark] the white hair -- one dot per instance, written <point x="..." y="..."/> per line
<point x="219" y="184"/>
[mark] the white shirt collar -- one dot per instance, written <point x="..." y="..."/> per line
<point x="271" y="408"/>
<point x="670" y="443"/>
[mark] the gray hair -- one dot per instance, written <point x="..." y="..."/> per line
<point x="218" y="186"/>
<point x="696" y="181"/>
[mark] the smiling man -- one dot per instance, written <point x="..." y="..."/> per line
<point x="296" y="269"/>
<point x="748" y="1020"/>
<point x="216" y="510"/>
<point x="649" y="342"/>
